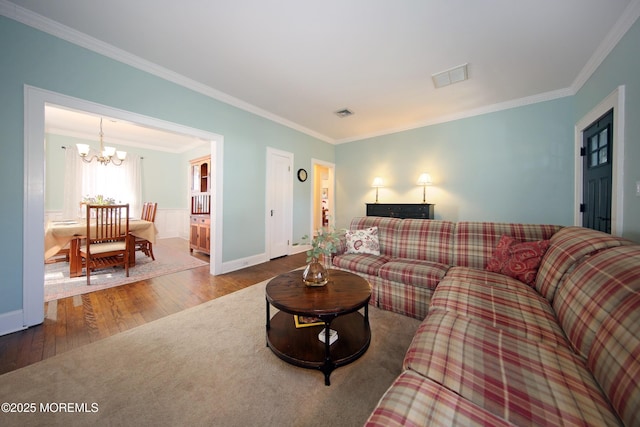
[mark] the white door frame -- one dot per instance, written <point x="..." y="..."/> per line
<point x="288" y="215"/>
<point x="614" y="100"/>
<point x="35" y="100"/>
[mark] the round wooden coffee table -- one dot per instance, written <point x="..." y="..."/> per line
<point x="335" y="306"/>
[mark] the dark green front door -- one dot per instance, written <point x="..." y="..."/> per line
<point x="597" y="172"/>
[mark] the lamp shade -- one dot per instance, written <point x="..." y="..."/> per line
<point x="83" y="149"/>
<point x="425" y="179"/>
<point x="109" y="151"/>
<point x="377" y="182"/>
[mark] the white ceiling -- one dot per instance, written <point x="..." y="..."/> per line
<point x="117" y="132"/>
<point x="297" y="62"/>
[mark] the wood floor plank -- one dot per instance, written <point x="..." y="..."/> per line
<point x="77" y="321"/>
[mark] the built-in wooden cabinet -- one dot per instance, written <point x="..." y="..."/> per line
<point x="200" y="190"/>
<point x="200" y="233"/>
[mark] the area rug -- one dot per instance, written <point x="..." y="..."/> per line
<point x="58" y="284"/>
<point x="208" y="365"/>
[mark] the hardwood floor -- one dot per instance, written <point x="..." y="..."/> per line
<point x="76" y="321"/>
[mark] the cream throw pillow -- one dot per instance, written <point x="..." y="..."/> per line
<point x="363" y="241"/>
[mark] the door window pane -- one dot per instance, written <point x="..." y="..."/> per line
<point x="598" y="146"/>
<point x="603" y="138"/>
<point x="603" y="156"/>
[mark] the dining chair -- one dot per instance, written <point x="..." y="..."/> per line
<point x="148" y="214"/>
<point x="145" y="209"/>
<point x="106" y="242"/>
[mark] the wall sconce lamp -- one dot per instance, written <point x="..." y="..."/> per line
<point x="377" y="183"/>
<point x="424" y="180"/>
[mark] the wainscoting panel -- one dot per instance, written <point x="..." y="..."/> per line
<point x="172" y="223"/>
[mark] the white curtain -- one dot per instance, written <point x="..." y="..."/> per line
<point x="122" y="183"/>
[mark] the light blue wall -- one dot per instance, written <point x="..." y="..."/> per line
<point x="164" y="175"/>
<point x="513" y="166"/>
<point x="621" y="67"/>
<point x="30" y="57"/>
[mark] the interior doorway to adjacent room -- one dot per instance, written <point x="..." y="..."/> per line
<point x="323" y="195"/>
<point x="33" y="231"/>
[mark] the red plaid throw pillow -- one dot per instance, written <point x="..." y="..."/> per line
<point x="516" y="259"/>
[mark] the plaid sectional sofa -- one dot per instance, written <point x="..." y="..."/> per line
<point x="492" y="350"/>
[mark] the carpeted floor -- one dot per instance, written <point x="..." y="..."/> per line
<point x="208" y="365"/>
<point x="58" y="284"/>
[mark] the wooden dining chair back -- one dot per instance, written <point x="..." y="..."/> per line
<point x="107" y="242"/>
<point x="145" y="209"/>
<point x="152" y="207"/>
<point x="148" y="214"/>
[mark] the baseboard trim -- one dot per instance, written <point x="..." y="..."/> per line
<point x="240" y="263"/>
<point x="296" y="249"/>
<point x="11" y="321"/>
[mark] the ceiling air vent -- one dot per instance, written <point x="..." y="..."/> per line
<point x="450" y="76"/>
<point x="345" y="112"/>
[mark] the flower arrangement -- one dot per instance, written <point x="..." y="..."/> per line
<point x="98" y="200"/>
<point x="324" y="243"/>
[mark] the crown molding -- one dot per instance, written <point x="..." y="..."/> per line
<point x="626" y="21"/>
<point x="521" y="102"/>
<point x="39" y="22"/>
<point x="27" y="17"/>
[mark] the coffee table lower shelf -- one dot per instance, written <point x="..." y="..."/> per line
<point x="301" y="346"/>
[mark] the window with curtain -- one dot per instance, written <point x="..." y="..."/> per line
<point x="122" y="183"/>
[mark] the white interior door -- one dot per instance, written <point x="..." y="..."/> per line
<point x="279" y="214"/>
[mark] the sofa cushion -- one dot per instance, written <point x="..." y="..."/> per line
<point x="427" y="240"/>
<point x="412" y="301"/>
<point x="598" y="306"/>
<point x="387" y="231"/>
<point x="517" y="259"/>
<point x="363" y="241"/>
<point x="360" y="263"/>
<point x="413" y="400"/>
<point x="476" y="241"/>
<point x="414" y="272"/>
<point x="519" y="380"/>
<point x="500" y="301"/>
<point x="568" y="247"/>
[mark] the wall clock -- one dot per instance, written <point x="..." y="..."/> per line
<point x="302" y="175"/>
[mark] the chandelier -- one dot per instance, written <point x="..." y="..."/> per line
<point x="106" y="153"/>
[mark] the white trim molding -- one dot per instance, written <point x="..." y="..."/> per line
<point x="615" y="101"/>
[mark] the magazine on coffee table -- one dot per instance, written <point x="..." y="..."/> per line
<point x="305" y="321"/>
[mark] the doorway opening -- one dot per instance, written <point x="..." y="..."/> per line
<point x="323" y="195"/>
<point x="33" y="232"/>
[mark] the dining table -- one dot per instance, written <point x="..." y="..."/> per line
<point x="68" y="233"/>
